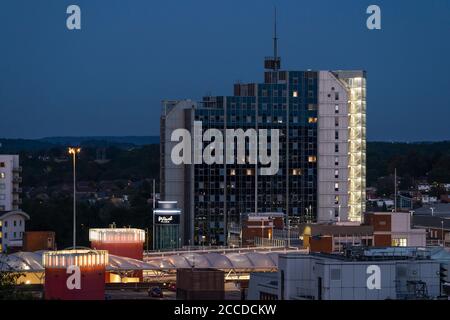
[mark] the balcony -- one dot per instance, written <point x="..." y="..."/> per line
<point x="17" y="169"/>
<point x="17" y="179"/>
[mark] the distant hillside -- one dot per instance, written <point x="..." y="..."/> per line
<point x="20" y="145"/>
<point x="30" y="145"/>
<point x="131" y="140"/>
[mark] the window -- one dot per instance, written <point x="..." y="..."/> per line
<point x="6" y="224"/>
<point x="336" y="122"/>
<point x="249" y="172"/>
<point x="335" y="274"/>
<point x="2" y="186"/>
<point x="295" y="119"/>
<point x="336" y="96"/>
<point x="2" y="164"/>
<point x="336" y="161"/>
<point x="336" y="135"/>
<point x="336" y="173"/>
<point x="295" y="94"/>
<point x="336" y="186"/>
<point x="233" y="172"/>
<point x="312" y="120"/>
<point x="336" y="199"/>
<point x="2" y="175"/>
<point x="400" y="242"/>
<point x="6" y="235"/>
<point x="2" y="197"/>
<point x="15" y="223"/>
<point x="296" y="172"/>
<point x="312" y="159"/>
<point x="336" y="108"/>
<point x="336" y="147"/>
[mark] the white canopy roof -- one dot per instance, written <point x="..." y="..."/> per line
<point x="32" y="261"/>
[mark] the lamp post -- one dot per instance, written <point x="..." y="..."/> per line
<point x="74" y="151"/>
<point x="442" y="233"/>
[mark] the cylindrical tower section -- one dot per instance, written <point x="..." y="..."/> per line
<point x="124" y="242"/>
<point x="75" y="274"/>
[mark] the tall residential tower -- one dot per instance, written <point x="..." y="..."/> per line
<point x="321" y="117"/>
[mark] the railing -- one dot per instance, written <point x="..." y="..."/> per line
<point x="207" y="249"/>
<point x="265" y="242"/>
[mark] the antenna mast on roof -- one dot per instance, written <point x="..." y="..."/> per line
<point x="273" y="62"/>
<point x="275" y="39"/>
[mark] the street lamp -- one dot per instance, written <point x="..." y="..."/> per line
<point x="74" y="151"/>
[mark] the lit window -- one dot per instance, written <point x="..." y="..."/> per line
<point x="336" y="161"/>
<point x="336" y="108"/>
<point x="2" y="175"/>
<point x="249" y="172"/>
<point x="336" y="147"/>
<point x="336" y="174"/>
<point x="400" y="242"/>
<point x="233" y="172"/>
<point x="312" y="159"/>
<point x="296" y="172"/>
<point x="295" y="94"/>
<point x="336" y="186"/>
<point x="336" y="199"/>
<point x="312" y="120"/>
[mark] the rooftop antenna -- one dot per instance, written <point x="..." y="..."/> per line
<point x="275" y="39"/>
<point x="273" y="62"/>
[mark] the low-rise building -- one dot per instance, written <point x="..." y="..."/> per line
<point x="39" y="240"/>
<point x="372" y="274"/>
<point x="394" y="229"/>
<point x="12" y="228"/>
<point x="256" y="229"/>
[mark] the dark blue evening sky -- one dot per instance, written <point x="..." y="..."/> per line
<point x="109" y="78"/>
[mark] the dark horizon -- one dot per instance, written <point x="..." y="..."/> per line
<point x="108" y="78"/>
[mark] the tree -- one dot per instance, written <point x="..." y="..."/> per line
<point x="8" y="283"/>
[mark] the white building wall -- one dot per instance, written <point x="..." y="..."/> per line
<point x="330" y="89"/>
<point x="347" y="280"/>
<point x="401" y="229"/>
<point x="13" y="227"/>
<point x="9" y="164"/>
<point x="174" y="175"/>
